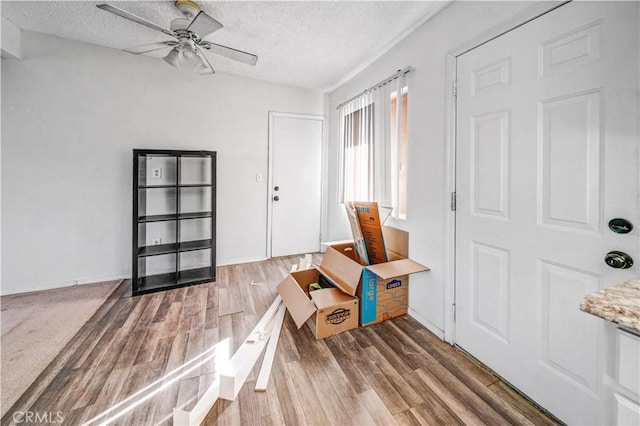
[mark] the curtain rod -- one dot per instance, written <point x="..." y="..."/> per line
<point x="399" y="73"/>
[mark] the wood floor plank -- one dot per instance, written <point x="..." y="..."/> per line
<point x="111" y="390"/>
<point x="433" y="409"/>
<point x="376" y="408"/>
<point x="287" y="344"/>
<point x="228" y="414"/>
<point x="306" y="394"/>
<point x="150" y="311"/>
<point x="443" y="351"/>
<point x="325" y="361"/>
<point x="461" y="371"/>
<point x="252" y="407"/>
<point x="212" y="312"/>
<point x="94" y="354"/>
<point x="290" y="406"/>
<point x="171" y="320"/>
<point x="464" y="409"/>
<point x="407" y="418"/>
<point x="177" y="353"/>
<point x="396" y="372"/>
<point x="348" y="365"/>
<point x="248" y="295"/>
<point x="229" y="296"/>
<point x="163" y="308"/>
<point x="425" y="416"/>
<point x="272" y="410"/>
<point x="129" y="352"/>
<point x="520" y="404"/>
<point x="195" y="349"/>
<point x="188" y="393"/>
<point x="90" y="389"/>
<point x="210" y="340"/>
<point x="391" y="371"/>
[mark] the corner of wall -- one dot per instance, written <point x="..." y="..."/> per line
<point x="11" y="40"/>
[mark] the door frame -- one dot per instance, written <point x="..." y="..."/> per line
<point x="273" y="115"/>
<point x="504" y="27"/>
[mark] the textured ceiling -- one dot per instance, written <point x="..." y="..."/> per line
<point x="309" y="44"/>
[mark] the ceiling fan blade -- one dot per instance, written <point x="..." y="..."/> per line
<point x="235" y="54"/>
<point x="207" y="68"/>
<point x="203" y="25"/>
<point x="151" y="47"/>
<point x="134" y="18"/>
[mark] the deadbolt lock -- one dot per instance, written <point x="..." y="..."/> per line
<point x="620" y="226"/>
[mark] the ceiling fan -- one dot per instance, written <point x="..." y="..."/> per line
<point x="189" y="33"/>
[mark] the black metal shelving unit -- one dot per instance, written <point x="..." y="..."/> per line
<point x="174" y="225"/>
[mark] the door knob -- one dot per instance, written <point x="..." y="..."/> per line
<point x="618" y="260"/>
<point x="276" y="198"/>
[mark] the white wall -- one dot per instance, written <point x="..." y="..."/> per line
<point x="72" y="113"/>
<point x="426" y="51"/>
<point x="10" y="39"/>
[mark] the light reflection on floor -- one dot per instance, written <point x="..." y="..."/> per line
<point x="219" y="353"/>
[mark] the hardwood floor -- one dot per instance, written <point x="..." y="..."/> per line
<point x="396" y="372"/>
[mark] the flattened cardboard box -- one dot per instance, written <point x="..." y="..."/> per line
<point x="326" y="312"/>
<point x="383" y="289"/>
<point x="356" y="231"/>
<point x="367" y="226"/>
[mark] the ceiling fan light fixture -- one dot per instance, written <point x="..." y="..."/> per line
<point x="186" y="56"/>
<point x="189" y="51"/>
<point x="204" y="67"/>
<point x="173" y="58"/>
<point x="203" y="70"/>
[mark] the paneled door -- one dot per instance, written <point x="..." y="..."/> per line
<point x="295" y="200"/>
<point x="547" y="155"/>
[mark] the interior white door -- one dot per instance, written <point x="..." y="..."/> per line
<point x="547" y="154"/>
<point x="296" y="183"/>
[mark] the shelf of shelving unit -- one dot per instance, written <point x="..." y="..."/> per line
<point x="174" y="205"/>
<point x="166" y="217"/>
<point x="160" y="249"/>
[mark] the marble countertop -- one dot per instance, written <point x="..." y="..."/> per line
<point x="619" y="304"/>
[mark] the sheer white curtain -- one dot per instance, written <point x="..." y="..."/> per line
<point x="369" y="148"/>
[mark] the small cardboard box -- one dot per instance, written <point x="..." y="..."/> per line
<point x="383" y="288"/>
<point x="326" y="312"/>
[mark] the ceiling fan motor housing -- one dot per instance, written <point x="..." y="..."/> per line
<point x="187" y="8"/>
<point x="179" y="24"/>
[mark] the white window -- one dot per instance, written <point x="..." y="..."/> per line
<point x="358" y="151"/>
<point x="373" y="147"/>
<point x="399" y="147"/>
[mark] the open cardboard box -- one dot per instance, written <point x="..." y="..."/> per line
<point x="383" y="288"/>
<point x="380" y="290"/>
<point x="326" y="312"/>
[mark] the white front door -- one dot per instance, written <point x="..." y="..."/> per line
<point x="296" y="183"/>
<point x="547" y="155"/>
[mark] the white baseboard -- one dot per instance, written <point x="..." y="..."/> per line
<point x="427" y="324"/>
<point x="240" y="261"/>
<point x="51" y="286"/>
